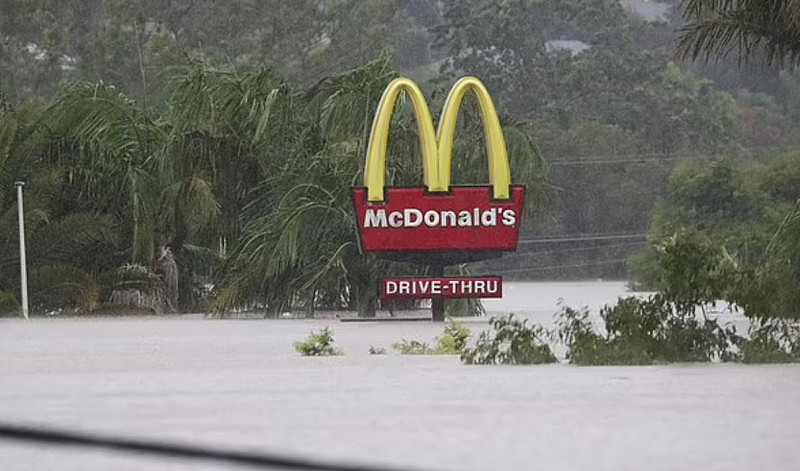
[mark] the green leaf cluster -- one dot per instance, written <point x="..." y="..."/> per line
<point x="728" y="231"/>
<point x="510" y="341"/>
<point x="451" y="342"/>
<point x="319" y="343"/>
<point x="645" y="331"/>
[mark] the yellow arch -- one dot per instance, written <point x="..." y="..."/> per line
<point x="499" y="169"/>
<point x="437" y="148"/>
<point x="375" y="166"/>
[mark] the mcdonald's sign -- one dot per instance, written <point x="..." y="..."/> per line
<point x="438" y="221"/>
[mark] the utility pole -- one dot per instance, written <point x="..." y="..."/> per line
<point x="23" y="271"/>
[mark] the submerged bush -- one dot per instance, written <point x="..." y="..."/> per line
<point x="413" y="347"/>
<point x="318" y="344"/>
<point x="586" y="347"/>
<point x="451" y="342"/>
<point x="510" y="341"/>
<point x="645" y="331"/>
<point x="774" y="341"/>
<point x="373" y="350"/>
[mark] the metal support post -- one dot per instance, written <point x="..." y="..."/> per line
<point x="437" y="302"/>
<point x="23" y="271"/>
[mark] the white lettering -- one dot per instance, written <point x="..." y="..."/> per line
<point x="423" y="286"/>
<point x="375" y="218"/>
<point x="416" y="220"/>
<point x="466" y="287"/>
<point x="396" y="219"/>
<point x="489" y="218"/>
<point x="412" y="217"/>
<point x="391" y="287"/>
<point x="491" y="286"/>
<point x="479" y="286"/>
<point x="431" y="218"/>
<point x="436" y="287"/>
<point x="448" y="215"/>
<point x="464" y="219"/>
<point x="405" y="287"/>
<point x="509" y="218"/>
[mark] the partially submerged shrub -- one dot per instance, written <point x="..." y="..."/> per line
<point x="586" y="347"/>
<point x="645" y="331"/>
<point x="413" y="347"/>
<point x="511" y="341"/>
<point x="451" y="342"/>
<point x="373" y="350"/>
<point x="318" y="344"/>
<point x="774" y="341"/>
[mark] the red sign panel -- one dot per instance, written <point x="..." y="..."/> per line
<point x="465" y="219"/>
<point x="458" y="287"/>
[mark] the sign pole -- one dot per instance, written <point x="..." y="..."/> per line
<point x="437" y="302"/>
<point x="23" y="272"/>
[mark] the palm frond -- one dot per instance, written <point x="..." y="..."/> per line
<point x="62" y="286"/>
<point x="715" y="28"/>
<point x="70" y="237"/>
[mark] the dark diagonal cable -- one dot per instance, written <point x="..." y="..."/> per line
<point x="39" y="435"/>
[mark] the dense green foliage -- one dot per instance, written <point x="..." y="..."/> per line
<point x="646" y="331"/>
<point x="510" y="341"/>
<point x="318" y="344"/>
<point x="241" y="184"/>
<point x="730" y="231"/>
<point x="694" y="273"/>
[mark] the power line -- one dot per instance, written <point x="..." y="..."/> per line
<point x="553" y="267"/>
<point x="600" y="159"/>
<point x="578" y="238"/>
<point x="565" y="163"/>
<point x="580" y="249"/>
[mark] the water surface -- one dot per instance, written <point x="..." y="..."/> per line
<point x="240" y="385"/>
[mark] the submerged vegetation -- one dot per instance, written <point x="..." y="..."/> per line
<point x="451" y="342"/>
<point x="318" y="344"/>
<point x="510" y="341"/>
<point x="645" y="331"/>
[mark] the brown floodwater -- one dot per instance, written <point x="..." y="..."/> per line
<point x="238" y="384"/>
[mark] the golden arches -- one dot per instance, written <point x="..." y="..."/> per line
<point x="437" y="149"/>
<point x="499" y="169"/>
<point x="375" y="167"/>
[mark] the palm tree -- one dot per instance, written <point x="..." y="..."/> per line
<point x="231" y="159"/>
<point x="118" y="149"/>
<point x="716" y="27"/>
<point x="60" y="273"/>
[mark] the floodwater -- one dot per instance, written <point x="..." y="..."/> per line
<point x="239" y="385"/>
